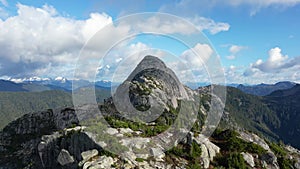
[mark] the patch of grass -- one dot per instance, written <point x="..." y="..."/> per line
<point x="140" y="160"/>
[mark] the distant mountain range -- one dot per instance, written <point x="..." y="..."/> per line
<point x="60" y="83"/>
<point x="33" y="85"/>
<point x="265" y="89"/>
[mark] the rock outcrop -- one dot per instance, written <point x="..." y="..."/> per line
<point x="269" y="159"/>
<point x="150" y="88"/>
<point x="209" y="150"/>
<point x="249" y="159"/>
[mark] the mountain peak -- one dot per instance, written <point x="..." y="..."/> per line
<point x="152" y="60"/>
<point x="151" y="87"/>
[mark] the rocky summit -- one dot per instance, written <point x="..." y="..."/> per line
<point x="138" y="127"/>
<point x="150" y="88"/>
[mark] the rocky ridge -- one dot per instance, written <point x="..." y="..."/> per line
<point x="70" y="139"/>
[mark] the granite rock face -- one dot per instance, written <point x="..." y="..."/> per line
<point x="44" y="140"/>
<point x="150" y="88"/>
<point x="249" y="159"/>
<point x="20" y="139"/>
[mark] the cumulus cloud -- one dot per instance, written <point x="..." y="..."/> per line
<point x="42" y="42"/>
<point x="39" y="40"/>
<point x="197" y="56"/>
<point x="275" y="62"/>
<point x="190" y="65"/>
<point x="277" y="67"/>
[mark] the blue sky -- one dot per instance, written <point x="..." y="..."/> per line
<point x="257" y="41"/>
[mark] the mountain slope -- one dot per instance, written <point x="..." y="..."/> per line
<point x="275" y="116"/>
<point x="15" y="104"/>
<point x="6" y="85"/>
<point x="250" y="112"/>
<point x="286" y="105"/>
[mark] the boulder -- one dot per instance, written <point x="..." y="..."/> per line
<point x="157" y="153"/>
<point x="204" y="156"/>
<point x="249" y="159"/>
<point x="125" y="130"/>
<point x="89" y="154"/>
<point x="112" y="131"/>
<point x="102" y="162"/>
<point x="87" y="164"/>
<point x="86" y="156"/>
<point x="209" y="150"/>
<point x="64" y="158"/>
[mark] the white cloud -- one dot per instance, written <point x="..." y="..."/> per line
<point x="258" y="76"/>
<point x="234" y="50"/>
<point x="242" y="75"/>
<point x="213" y="27"/>
<point x="197" y="56"/>
<point x="95" y="23"/>
<point x="163" y="25"/>
<point x="40" y="41"/>
<point x="190" y="66"/>
<point x="277" y="67"/>
<point x="167" y="24"/>
<point x="275" y="62"/>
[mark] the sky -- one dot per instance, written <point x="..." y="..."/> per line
<point x="247" y="41"/>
